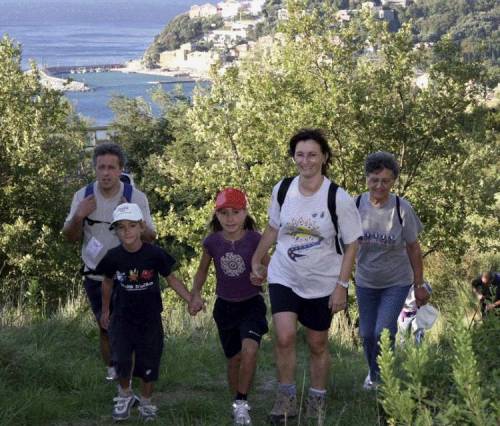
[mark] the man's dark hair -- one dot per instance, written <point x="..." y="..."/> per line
<point x="377" y="161"/>
<point x="109" y="148"/>
<point x="317" y="136"/>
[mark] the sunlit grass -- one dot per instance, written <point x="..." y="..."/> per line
<point x="51" y="373"/>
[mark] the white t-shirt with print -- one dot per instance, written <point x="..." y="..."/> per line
<point x="305" y="259"/>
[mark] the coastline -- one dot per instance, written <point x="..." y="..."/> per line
<point x="60" y="84"/>
<point x="135" y="66"/>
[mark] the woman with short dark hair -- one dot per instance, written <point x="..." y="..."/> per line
<point x="308" y="274"/>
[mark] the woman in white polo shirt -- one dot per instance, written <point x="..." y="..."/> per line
<point x="308" y="275"/>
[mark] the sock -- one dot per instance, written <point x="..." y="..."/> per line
<point x="241" y="396"/>
<point x="288" y="389"/>
<point x="145" y="401"/>
<point x="124" y="392"/>
<point x="318" y="393"/>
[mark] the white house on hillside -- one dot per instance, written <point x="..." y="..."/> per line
<point x="203" y="11"/>
<point x="402" y="3"/>
<point x="228" y="8"/>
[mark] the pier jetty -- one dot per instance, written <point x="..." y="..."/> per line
<point x="81" y="69"/>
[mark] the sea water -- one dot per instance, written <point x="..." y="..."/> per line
<point x="92" y="32"/>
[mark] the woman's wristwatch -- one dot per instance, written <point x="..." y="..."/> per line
<point x="344" y="284"/>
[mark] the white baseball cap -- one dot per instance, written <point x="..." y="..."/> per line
<point x="126" y="211"/>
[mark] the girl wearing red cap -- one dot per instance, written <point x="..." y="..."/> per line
<point x="239" y="311"/>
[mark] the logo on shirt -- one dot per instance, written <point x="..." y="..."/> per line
<point x="306" y="232"/>
<point x="147" y="274"/>
<point x="133" y="275"/>
<point x="378" y="238"/>
<point x="232" y="264"/>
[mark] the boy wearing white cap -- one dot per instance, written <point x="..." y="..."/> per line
<point x="131" y="273"/>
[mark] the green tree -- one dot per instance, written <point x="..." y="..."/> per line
<point x="39" y="157"/>
<point x="358" y="82"/>
<point x="138" y="131"/>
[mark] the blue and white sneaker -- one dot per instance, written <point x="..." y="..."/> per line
<point x="123" y="405"/>
<point x="147" y="412"/>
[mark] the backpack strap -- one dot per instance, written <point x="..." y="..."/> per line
<point x="398" y="209"/>
<point x="89" y="190"/>
<point x="358" y="201"/>
<point x="127" y="191"/>
<point x="332" y="207"/>
<point x="283" y="189"/>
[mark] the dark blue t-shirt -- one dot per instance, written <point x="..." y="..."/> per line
<point x="136" y="290"/>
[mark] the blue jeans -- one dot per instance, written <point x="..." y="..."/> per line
<point x="378" y="309"/>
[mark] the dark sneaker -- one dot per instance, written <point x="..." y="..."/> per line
<point x="123" y="405"/>
<point x="241" y="415"/>
<point x="316" y="408"/>
<point x="147" y="412"/>
<point x="285" y="408"/>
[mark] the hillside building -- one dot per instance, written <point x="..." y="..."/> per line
<point x="204" y="11"/>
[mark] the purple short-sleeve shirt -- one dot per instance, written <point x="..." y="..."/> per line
<point x="233" y="264"/>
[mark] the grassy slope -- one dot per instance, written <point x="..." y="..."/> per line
<point x="51" y="374"/>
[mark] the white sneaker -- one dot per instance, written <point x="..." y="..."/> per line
<point x="240" y="413"/>
<point x="111" y="374"/>
<point x="148" y="412"/>
<point x="368" y="384"/>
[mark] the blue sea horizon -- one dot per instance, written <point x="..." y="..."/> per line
<point x="90" y="32"/>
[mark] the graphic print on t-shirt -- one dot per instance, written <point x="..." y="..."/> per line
<point x="306" y="234"/>
<point x="135" y="280"/>
<point x="377" y="237"/>
<point x="232" y="264"/>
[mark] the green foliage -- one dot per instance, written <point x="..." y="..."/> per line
<point x="460" y="395"/>
<point x="356" y="81"/>
<point x="182" y="29"/>
<point x="138" y="131"/>
<point x="39" y="154"/>
<point x="473" y="25"/>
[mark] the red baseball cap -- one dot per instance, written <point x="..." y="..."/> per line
<point x="231" y="198"/>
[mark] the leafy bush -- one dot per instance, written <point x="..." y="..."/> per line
<point x="443" y="384"/>
<point x="40" y="146"/>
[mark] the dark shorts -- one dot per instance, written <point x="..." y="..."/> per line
<point x="140" y="341"/>
<point x="311" y="313"/>
<point x="94" y="294"/>
<point x="240" y="320"/>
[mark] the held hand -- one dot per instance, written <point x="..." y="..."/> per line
<point x="259" y="271"/>
<point x="196" y="304"/>
<point x="258" y="278"/>
<point x="490" y="306"/>
<point x="104" y="319"/>
<point x="86" y="206"/>
<point x="338" y="299"/>
<point x="421" y="296"/>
